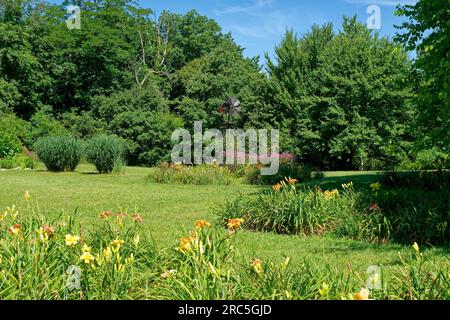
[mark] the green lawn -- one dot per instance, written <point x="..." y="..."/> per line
<point x="170" y="209"/>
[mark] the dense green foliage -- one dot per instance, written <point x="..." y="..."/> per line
<point x="344" y="98"/>
<point x="59" y="153"/>
<point x="105" y="152"/>
<point x="9" y="145"/>
<point x="347" y="99"/>
<point x="408" y="208"/>
<point x="427" y="30"/>
<point x="17" y="161"/>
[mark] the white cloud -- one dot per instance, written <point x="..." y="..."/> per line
<point x="390" y="3"/>
<point x="271" y="20"/>
<point x="258" y="4"/>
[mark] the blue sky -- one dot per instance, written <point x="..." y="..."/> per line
<point x="258" y="25"/>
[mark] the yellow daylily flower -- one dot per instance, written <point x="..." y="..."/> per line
<point x="324" y="290"/>
<point x="87" y="257"/>
<point x="72" y="240"/>
<point x="185" y="244"/>
<point x="363" y="294"/>
<point x="416" y="248"/>
<point x="86" y="248"/>
<point x="117" y="242"/>
<point x="257" y="265"/>
<point x="331" y="194"/>
<point x="107" y="253"/>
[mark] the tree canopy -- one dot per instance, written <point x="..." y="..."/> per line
<point x="346" y="99"/>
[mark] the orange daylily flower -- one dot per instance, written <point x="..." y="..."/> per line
<point x="200" y="224"/>
<point x="105" y="214"/>
<point x="15" y="229"/>
<point x="234" y="223"/>
<point x="138" y="218"/>
<point x="277" y="187"/>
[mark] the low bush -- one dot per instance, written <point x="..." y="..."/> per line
<point x="302" y="173"/>
<point x="416" y="214"/>
<point x="16" y="127"/>
<point x="17" y="161"/>
<point x="402" y="215"/>
<point x="287" y="210"/>
<point x="9" y="146"/>
<point x="427" y="159"/>
<point x="423" y="180"/>
<point x="196" y="175"/>
<point x="106" y="153"/>
<point x="59" y="153"/>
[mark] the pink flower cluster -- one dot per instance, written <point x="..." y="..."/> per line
<point x="254" y="156"/>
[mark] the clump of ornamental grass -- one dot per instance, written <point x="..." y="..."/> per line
<point x="106" y="153"/>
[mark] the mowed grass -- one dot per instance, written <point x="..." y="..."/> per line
<point x="170" y="211"/>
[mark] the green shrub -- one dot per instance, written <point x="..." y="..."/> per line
<point x="16" y="127"/>
<point x="59" y="153"/>
<point x="403" y="213"/>
<point x="417" y="204"/>
<point x="18" y="161"/>
<point x="424" y="180"/>
<point x="147" y="135"/>
<point x="105" y="152"/>
<point x="287" y="210"/>
<point x="428" y="159"/>
<point x="287" y="169"/>
<point x="44" y="124"/>
<point x="196" y="175"/>
<point x="9" y="146"/>
<point x="416" y="215"/>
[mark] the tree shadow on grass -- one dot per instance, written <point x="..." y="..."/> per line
<point x="360" y="181"/>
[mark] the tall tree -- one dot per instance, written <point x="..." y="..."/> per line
<point x="341" y="100"/>
<point x="427" y="30"/>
